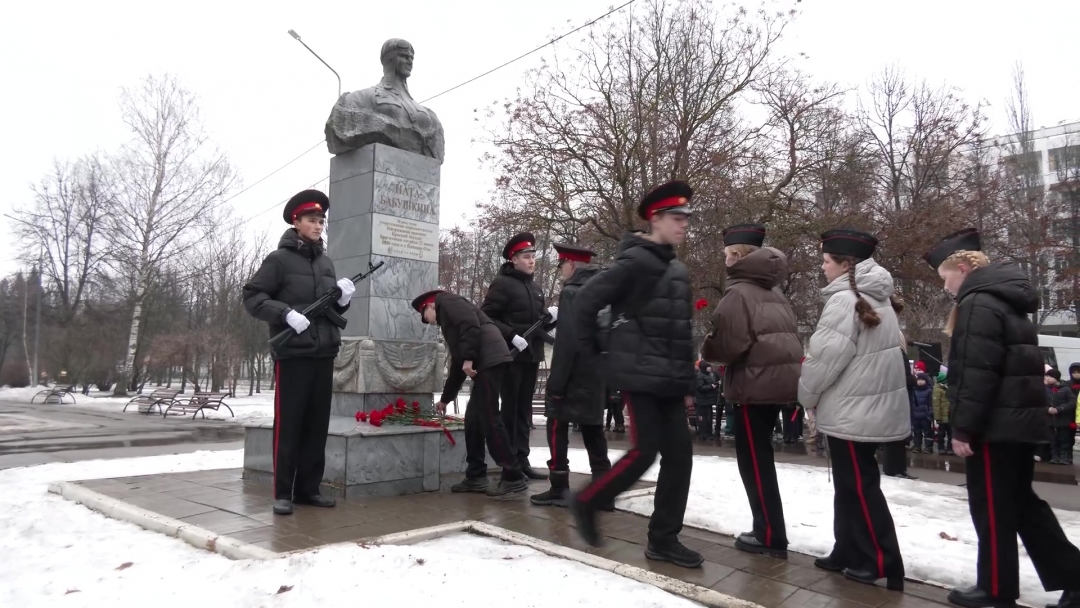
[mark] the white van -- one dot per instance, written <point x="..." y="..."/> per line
<point x="1060" y="352"/>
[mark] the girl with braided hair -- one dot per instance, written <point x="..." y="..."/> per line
<point x="852" y="379"/>
<point x="999" y="412"/>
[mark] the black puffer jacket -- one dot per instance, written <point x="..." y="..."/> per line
<point x="575" y="391"/>
<point x="293" y="276"/>
<point x="1064" y="399"/>
<point x="651" y="346"/>
<point x="470" y="336"/>
<point x="995" y="367"/>
<point x="514" y="302"/>
<point x="708" y="386"/>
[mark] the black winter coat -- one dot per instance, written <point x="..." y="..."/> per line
<point x="575" y="391"/>
<point x="1064" y="399"/>
<point x="514" y="302"/>
<point x="707" y="389"/>
<point x="651" y="348"/>
<point x="470" y="336"/>
<point x="293" y="276"/>
<point x="995" y="367"/>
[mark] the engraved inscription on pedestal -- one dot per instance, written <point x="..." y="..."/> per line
<point x="404" y="238"/>
<point x="402" y="197"/>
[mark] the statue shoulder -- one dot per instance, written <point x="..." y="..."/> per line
<point x="359" y="98"/>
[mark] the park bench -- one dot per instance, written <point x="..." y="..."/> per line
<point x="199" y="402"/>
<point x="57" y="392"/>
<point x="160" y="397"/>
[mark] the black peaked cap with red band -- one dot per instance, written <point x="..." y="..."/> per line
<point x="574" y="253"/>
<point x="422" y="300"/>
<point x="744" y="234"/>
<point x="962" y="240"/>
<point x="672" y="197"/>
<point x="853" y="243"/>
<point x="521" y="243"/>
<point x="308" y="201"/>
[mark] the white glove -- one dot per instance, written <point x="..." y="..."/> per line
<point x="347" y="290"/>
<point x="519" y="343"/>
<point x="554" y="312"/>
<point x="297" y="321"/>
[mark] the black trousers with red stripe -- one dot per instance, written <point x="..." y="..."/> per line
<point x="484" y="424"/>
<point x="518" y="385"/>
<point x="862" y="524"/>
<point x="1003" y="504"/>
<point x="302" y="393"/>
<point x="657" y="427"/>
<point x="754" y="453"/>
<point x="558" y="438"/>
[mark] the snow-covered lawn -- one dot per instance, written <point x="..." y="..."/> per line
<point x="933" y="524"/>
<point x="259" y="405"/>
<point x="56" y="553"/>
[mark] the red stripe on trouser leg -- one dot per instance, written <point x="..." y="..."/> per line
<point x="627" y="460"/>
<point x="757" y="474"/>
<point x="554" y="450"/>
<point x="866" y="510"/>
<point x="624" y="463"/>
<point x="993" y="523"/>
<point x="277" y="417"/>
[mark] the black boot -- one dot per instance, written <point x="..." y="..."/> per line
<point x="505" y="487"/>
<point x="471" y="484"/>
<point x="317" y="500"/>
<point x="620" y="428"/>
<point x="556" y="496"/>
<point x="973" y="597"/>
<point x="749" y="543"/>
<point x="1069" y="599"/>
<point x="532" y="473"/>
<point x="869" y="578"/>
<point x="283" y="506"/>
<point x="585" y="519"/>
<point x="675" y="553"/>
<point x="829" y="563"/>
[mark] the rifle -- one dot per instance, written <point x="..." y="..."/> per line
<point x="321" y="307"/>
<point x="535" y="327"/>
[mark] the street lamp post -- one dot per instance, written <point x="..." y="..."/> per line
<point x="297" y="36"/>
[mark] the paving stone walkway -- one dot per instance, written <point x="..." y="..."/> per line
<point x="223" y="502"/>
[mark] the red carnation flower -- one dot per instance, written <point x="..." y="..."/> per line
<point x="416" y="406"/>
<point x="400" y="402"/>
<point x="702" y="303"/>
<point x="361" y="416"/>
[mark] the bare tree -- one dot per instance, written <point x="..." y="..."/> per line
<point x="169" y="181"/>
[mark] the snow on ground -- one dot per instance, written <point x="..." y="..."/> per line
<point x="54" y="552"/>
<point x="924" y="514"/>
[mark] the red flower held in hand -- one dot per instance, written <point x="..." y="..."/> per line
<point x="702" y="303"/>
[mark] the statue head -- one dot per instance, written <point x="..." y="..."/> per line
<point x="397" y="58"/>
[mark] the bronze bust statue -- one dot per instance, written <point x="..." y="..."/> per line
<point x="386" y="113"/>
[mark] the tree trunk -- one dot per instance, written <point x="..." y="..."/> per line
<point x="121" y="388"/>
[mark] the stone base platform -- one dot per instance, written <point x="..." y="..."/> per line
<point x="239" y="510"/>
<point x="365" y="460"/>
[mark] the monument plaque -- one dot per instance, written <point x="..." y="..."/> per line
<point x="404" y="238"/>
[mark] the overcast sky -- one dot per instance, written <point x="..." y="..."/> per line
<point x="265" y="99"/>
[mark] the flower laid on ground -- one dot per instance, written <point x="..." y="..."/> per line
<point x="401" y="413"/>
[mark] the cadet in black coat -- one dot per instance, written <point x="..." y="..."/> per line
<point x="1062" y="410"/>
<point x="514" y="303"/>
<point x="999" y="412"/>
<point x="650" y="358"/>
<point x="477" y="351"/>
<point x="575" y="393"/>
<point x="290" y="278"/>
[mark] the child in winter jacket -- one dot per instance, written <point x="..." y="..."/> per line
<point x="1062" y="410"/>
<point x="922" y="413"/>
<point x="941" y="415"/>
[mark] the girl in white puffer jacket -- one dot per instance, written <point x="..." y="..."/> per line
<point x="851" y="379"/>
